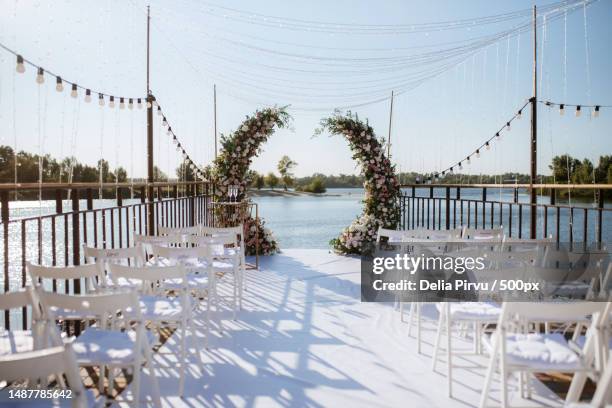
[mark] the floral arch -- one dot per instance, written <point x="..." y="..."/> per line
<point x="381" y="206"/>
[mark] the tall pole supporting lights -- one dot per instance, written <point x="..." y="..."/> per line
<point x="150" y="99"/>
<point x="534" y="133"/>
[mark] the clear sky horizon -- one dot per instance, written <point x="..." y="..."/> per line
<point x="264" y="53"/>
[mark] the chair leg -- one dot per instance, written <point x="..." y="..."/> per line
<point x="449" y="355"/>
<point x="437" y="342"/>
<point x="487" y="384"/>
<point x="418" y="323"/>
<point x="136" y="384"/>
<point x="101" y="380"/>
<point x="183" y="357"/>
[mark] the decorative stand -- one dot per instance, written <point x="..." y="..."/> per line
<point x="227" y="214"/>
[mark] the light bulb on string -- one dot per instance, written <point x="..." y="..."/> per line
<point x="561" y="109"/>
<point x="87" y="95"/>
<point x="487" y="146"/>
<point x="498" y="136"/>
<point x="508" y="126"/>
<point x="178" y="147"/>
<point x="100" y="99"/>
<point x="149" y="104"/>
<point x="20" y="65"/>
<point x="73" y="92"/>
<point x="478" y="152"/>
<point x="111" y="102"/>
<point x="164" y="122"/>
<point x="468" y="160"/>
<point x="519" y="114"/>
<point x="578" y="112"/>
<point x="596" y="111"/>
<point x="159" y="111"/>
<point x="40" y="76"/>
<point x="130" y="103"/>
<point x="139" y="103"/>
<point x="59" y="85"/>
<point x="121" y="103"/>
<point x="174" y="140"/>
<point x="460" y="166"/>
<point x="450" y="170"/>
<point x="169" y="130"/>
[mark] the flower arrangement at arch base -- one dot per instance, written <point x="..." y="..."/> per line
<point x="382" y="188"/>
<point x="230" y="169"/>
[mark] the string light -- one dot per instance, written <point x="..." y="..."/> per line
<point x="487" y="146"/>
<point x="164" y="122"/>
<point x="478" y="151"/>
<point x="169" y="131"/>
<point x="40" y="76"/>
<point x="20" y="65"/>
<point x="73" y="92"/>
<point x="149" y="104"/>
<point x="468" y="161"/>
<point x="111" y="102"/>
<point x="59" y="86"/>
<point x="561" y="109"/>
<point x="130" y="103"/>
<point x="139" y="103"/>
<point x="88" y="95"/>
<point x="121" y="103"/>
<point x="460" y="166"/>
<point x="498" y="136"/>
<point x="596" y="111"/>
<point x="519" y="114"/>
<point x="100" y="99"/>
<point x="578" y="111"/>
<point x="159" y="111"/>
<point x="508" y="126"/>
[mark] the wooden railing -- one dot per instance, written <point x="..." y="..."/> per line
<point x="444" y="206"/>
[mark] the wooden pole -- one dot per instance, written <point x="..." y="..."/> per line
<point x="534" y="132"/>
<point x="150" y="172"/>
<point x="390" y="122"/>
<point x="215" y="118"/>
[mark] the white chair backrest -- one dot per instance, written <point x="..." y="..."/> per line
<point x="193" y="230"/>
<point x="484" y="235"/>
<point x="391" y="235"/>
<point x="131" y="255"/>
<point x="180" y="253"/>
<point x="158" y="239"/>
<point x="34" y="365"/>
<point x="212" y="231"/>
<point x="149" y="274"/>
<point x="21" y="298"/>
<point x="549" y="311"/>
<point x="92" y="273"/>
<point x="102" y="306"/>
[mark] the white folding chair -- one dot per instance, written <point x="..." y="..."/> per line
<point x="134" y="256"/>
<point x="513" y="349"/>
<point x="158" y="309"/>
<point x="391" y="235"/>
<point x="105" y="345"/>
<point x="91" y="274"/>
<point x="230" y="249"/>
<point x="227" y="255"/>
<point x="147" y="242"/>
<point x="46" y="364"/>
<point x="19" y="341"/>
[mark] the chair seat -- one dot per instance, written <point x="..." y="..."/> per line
<point x="474" y="311"/>
<point x="16" y="341"/>
<point x="538" y="351"/>
<point x="194" y="281"/>
<point x="97" y="346"/>
<point x="159" y="308"/>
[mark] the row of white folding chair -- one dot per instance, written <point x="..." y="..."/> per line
<point x="96" y="346"/>
<point x="151" y="281"/>
<point x="482" y="235"/>
<point x="511" y="346"/>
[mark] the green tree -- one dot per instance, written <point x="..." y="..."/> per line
<point x="603" y="169"/>
<point x="564" y="166"/>
<point x="159" y="175"/>
<point x="583" y="173"/>
<point x="271" y="180"/>
<point x="285" y="165"/>
<point x="257" y="180"/>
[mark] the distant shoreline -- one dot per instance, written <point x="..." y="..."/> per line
<point x="288" y="193"/>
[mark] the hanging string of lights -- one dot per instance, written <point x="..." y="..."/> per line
<point x="269" y="21"/>
<point x="595" y="109"/>
<point x="180" y="148"/>
<point x="486" y="145"/>
<point x="60" y="83"/>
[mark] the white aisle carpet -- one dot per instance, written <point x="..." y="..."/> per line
<point x="304" y="339"/>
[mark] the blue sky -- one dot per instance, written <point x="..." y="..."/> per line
<point x="257" y="61"/>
